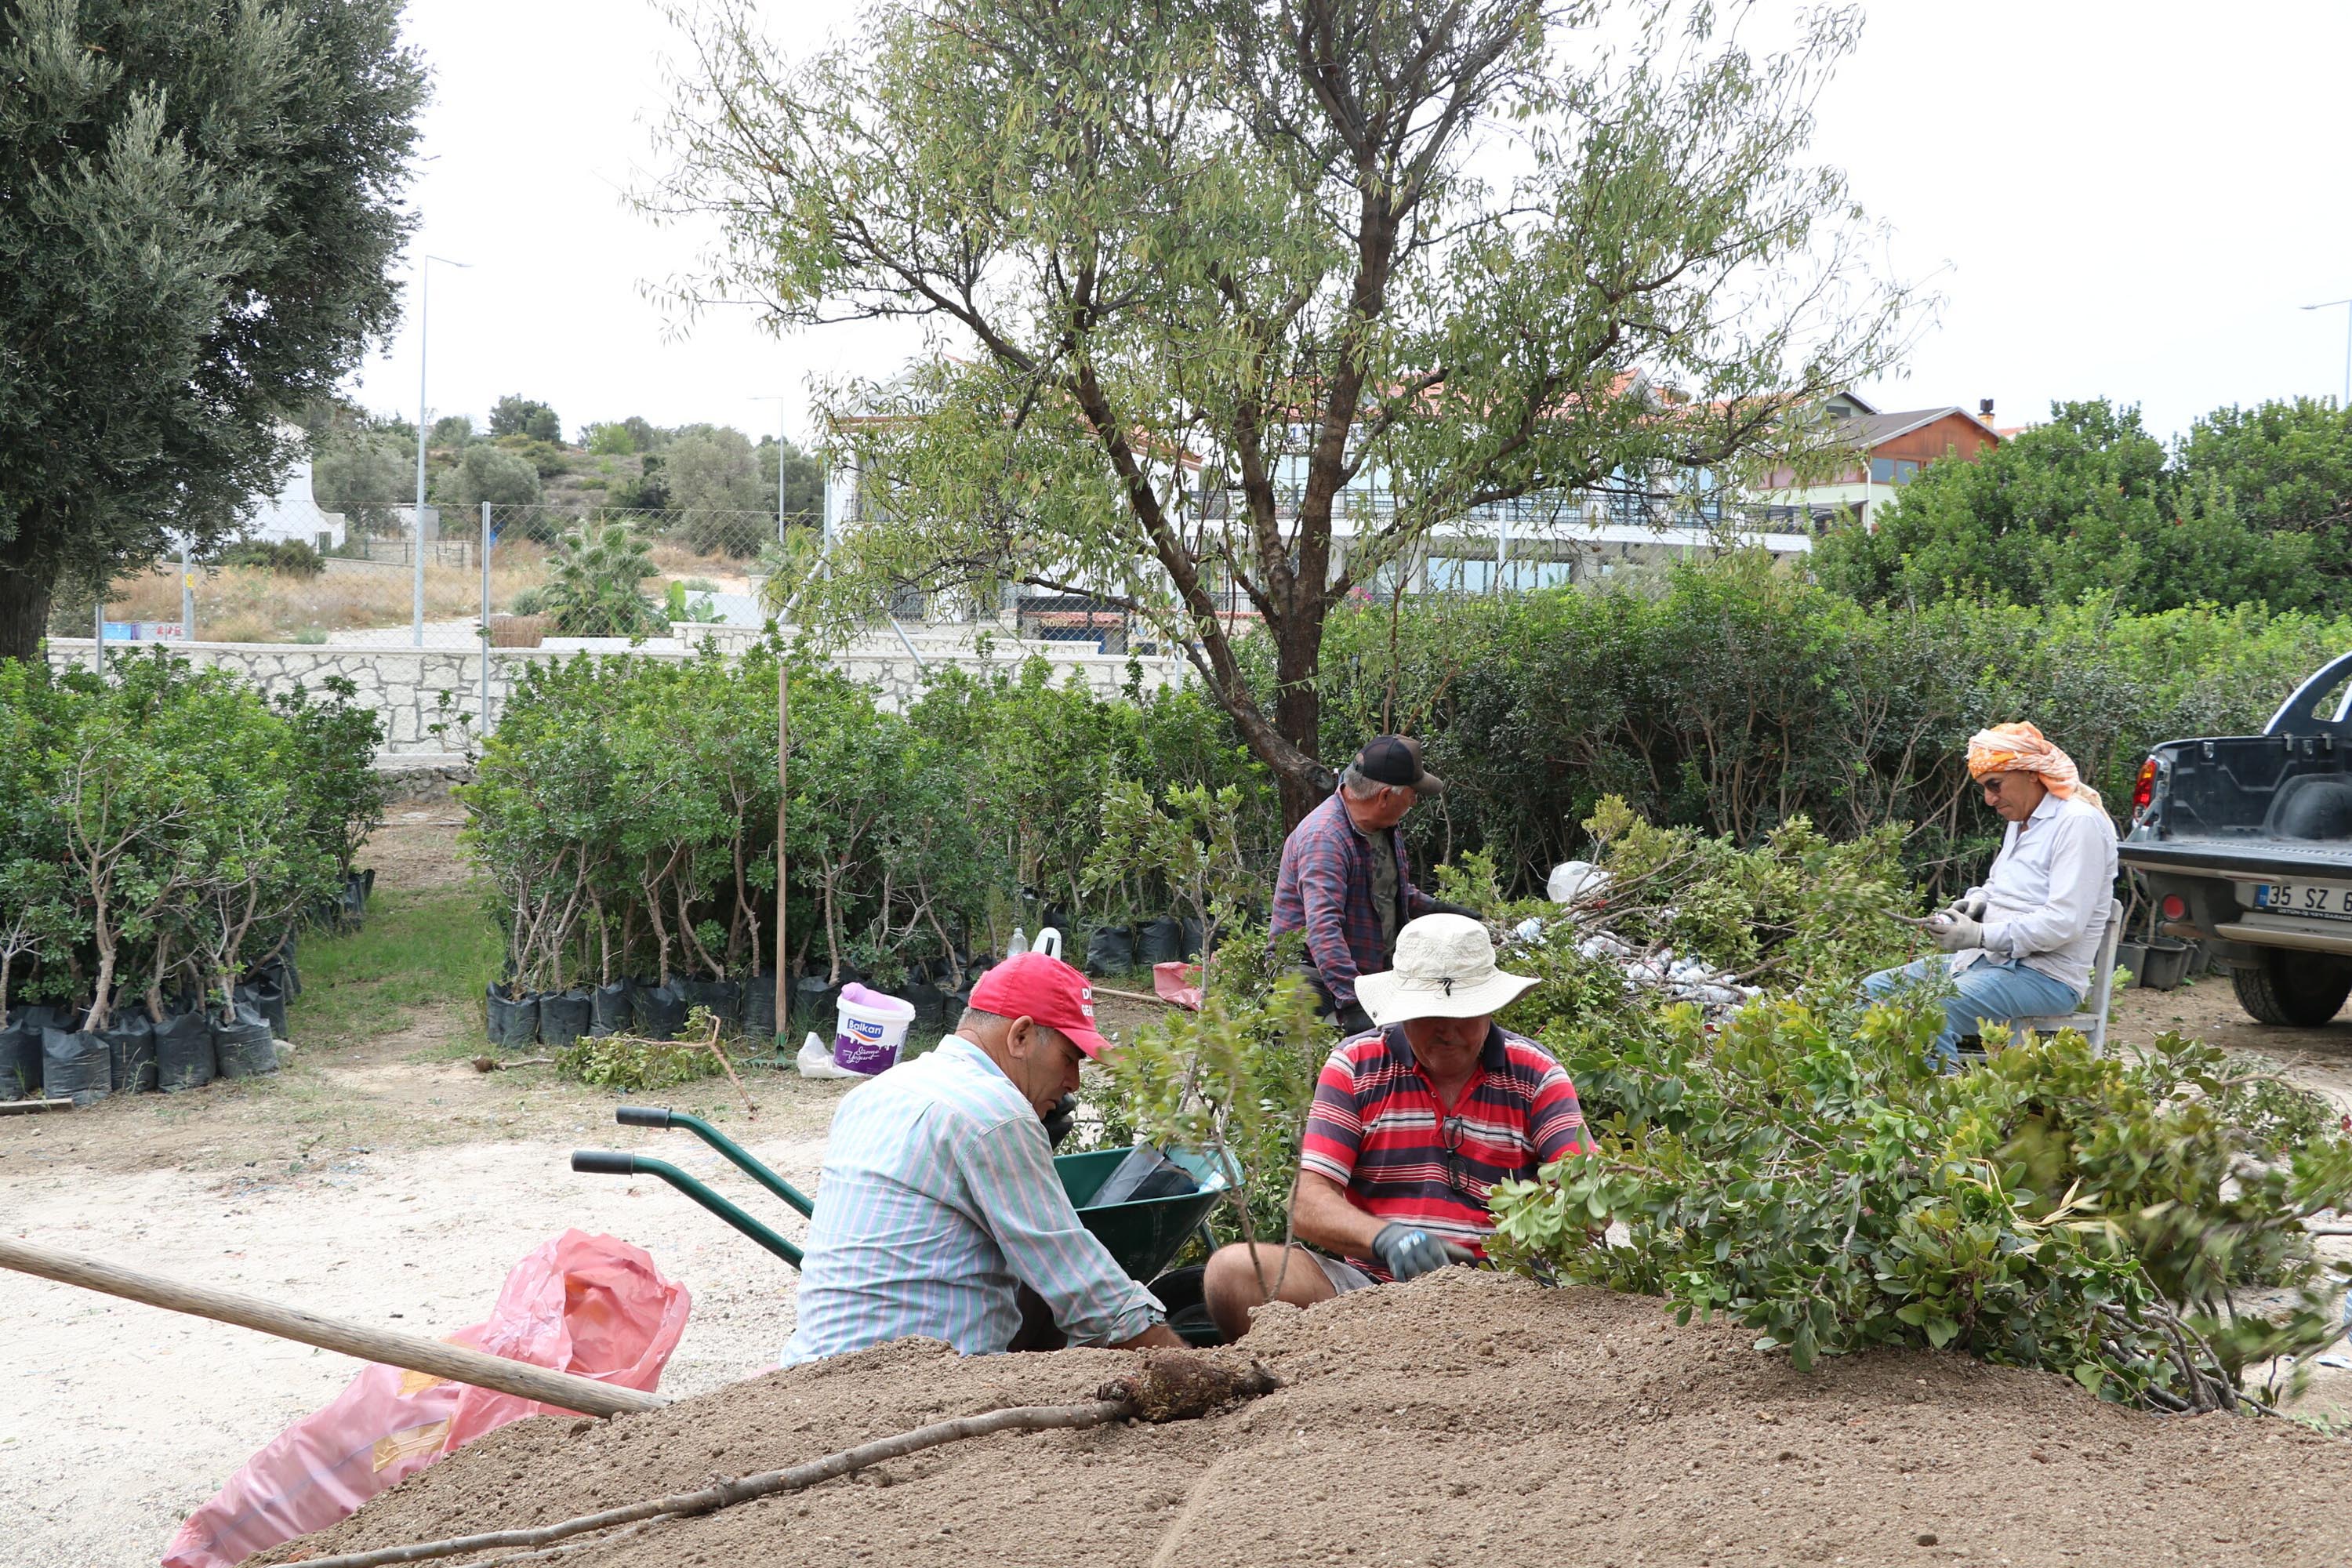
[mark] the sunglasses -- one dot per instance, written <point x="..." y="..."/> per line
<point x="1450" y="1132"/>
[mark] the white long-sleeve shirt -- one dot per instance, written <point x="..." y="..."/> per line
<point x="2049" y="895"/>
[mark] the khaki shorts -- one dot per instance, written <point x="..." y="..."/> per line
<point x="1344" y="1275"/>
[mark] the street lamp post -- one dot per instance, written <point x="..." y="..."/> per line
<point x="2328" y="305"/>
<point x="424" y="319"/>
<point x="779" y="399"/>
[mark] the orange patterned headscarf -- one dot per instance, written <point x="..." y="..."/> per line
<point x="2022" y="749"/>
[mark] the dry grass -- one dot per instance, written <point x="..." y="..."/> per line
<point x="243" y="603"/>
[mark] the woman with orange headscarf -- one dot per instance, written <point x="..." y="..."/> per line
<point x="2020" y="946"/>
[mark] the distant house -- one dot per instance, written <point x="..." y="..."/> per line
<point x="293" y="514"/>
<point x="1889" y="449"/>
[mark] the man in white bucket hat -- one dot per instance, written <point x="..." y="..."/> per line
<point x="1413" y="1121"/>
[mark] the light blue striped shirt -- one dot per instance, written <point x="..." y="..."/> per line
<point x="938" y="1195"/>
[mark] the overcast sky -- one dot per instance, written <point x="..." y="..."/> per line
<point x="2129" y="200"/>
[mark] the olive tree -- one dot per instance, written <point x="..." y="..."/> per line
<point x="198" y="203"/>
<point x="1236" y="300"/>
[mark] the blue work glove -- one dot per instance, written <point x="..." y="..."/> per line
<point x="1408" y="1251"/>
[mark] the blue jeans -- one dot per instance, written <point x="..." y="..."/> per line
<point x="1987" y="993"/>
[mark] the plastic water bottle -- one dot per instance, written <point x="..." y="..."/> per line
<point x="1018" y="945"/>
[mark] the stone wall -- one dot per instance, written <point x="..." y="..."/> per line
<point x="408" y="685"/>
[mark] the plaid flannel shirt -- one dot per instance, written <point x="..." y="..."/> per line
<point x="1325" y="889"/>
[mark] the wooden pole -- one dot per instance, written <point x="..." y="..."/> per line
<point x="410" y="1351"/>
<point x="784" y="799"/>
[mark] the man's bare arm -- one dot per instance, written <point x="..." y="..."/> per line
<point x="1321" y="1216"/>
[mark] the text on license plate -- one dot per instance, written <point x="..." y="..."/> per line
<point x="2304" y="899"/>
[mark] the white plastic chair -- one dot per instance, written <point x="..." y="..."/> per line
<point x="2093" y="1023"/>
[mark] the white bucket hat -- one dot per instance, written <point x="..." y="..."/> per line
<point x="1444" y="969"/>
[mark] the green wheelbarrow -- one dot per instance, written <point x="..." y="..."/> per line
<point x="1143" y="1237"/>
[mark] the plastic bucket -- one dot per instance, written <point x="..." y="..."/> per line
<point x="866" y="1036"/>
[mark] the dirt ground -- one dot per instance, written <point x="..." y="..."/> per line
<point x="389" y="1183"/>
<point x="1463" y="1419"/>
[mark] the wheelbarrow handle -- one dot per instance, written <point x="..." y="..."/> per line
<point x="734" y="1153"/>
<point x="612" y="1163"/>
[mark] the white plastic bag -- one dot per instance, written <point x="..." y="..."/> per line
<point x="1574" y="880"/>
<point x="816" y="1060"/>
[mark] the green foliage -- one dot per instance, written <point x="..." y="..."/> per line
<point x="1154" y="237"/>
<point x="724" y="504"/>
<point x="609" y="440"/>
<point x="487" y="473"/>
<point x="290" y="556"/>
<point x="1192" y="847"/>
<point x="2086" y="506"/>
<point x="1734" y="696"/>
<point x="167" y="828"/>
<point x="2287" y="465"/>
<point x="592" y="587"/>
<point x="363" y="472"/>
<point x="625" y="811"/>
<point x="453" y="430"/>
<point x="202" y="204"/>
<point x="1806" y="1173"/>
<point x="632" y="1064"/>
<point x="1233" y="1080"/>
<point x="515" y="415"/>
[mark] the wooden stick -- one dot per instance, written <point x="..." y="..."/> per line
<point x="33" y="1106"/>
<point x="744" y="1489"/>
<point x="750" y="1110"/>
<point x="410" y="1351"/>
<point x="1132" y="996"/>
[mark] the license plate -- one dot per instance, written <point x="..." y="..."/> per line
<point x="2308" y="899"/>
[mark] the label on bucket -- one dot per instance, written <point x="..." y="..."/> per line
<point x="868" y="1045"/>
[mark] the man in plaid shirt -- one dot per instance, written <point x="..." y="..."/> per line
<point x="1344" y="879"/>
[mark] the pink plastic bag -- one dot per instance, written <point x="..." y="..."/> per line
<point x="1178" y="982"/>
<point x="590" y="1305"/>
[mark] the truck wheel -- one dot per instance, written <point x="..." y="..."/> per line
<point x="2300" y="990"/>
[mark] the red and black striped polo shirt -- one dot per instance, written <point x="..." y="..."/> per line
<point x="1377" y="1129"/>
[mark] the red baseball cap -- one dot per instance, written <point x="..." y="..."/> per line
<point x="1039" y="987"/>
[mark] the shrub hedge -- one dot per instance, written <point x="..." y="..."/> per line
<point x="1735" y="695"/>
<point x="165" y="828"/>
<point x="625" y="811"/>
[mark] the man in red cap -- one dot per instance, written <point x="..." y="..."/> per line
<point x="939" y="1202"/>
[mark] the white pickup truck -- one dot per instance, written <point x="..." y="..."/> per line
<point x="2246" y="842"/>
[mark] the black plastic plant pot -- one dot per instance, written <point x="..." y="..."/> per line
<point x="20" y="1060"/>
<point x="930" y="1004"/>
<point x="722" y="998"/>
<point x="1158" y="941"/>
<point x="661" y="1010"/>
<point x="611" y="1008"/>
<point x="130" y="1049"/>
<point x="76" y="1065"/>
<point x="1110" y="950"/>
<point x="760" y="1006"/>
<point x="184" y="1053"/>
<point x="244" y="1048"/>
<point x="564" y="1016"/>
<point x="268" y="999"/>
<point x="513" y="1021"/>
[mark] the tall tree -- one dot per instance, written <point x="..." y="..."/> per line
<point x="1242" y="299"/>
<point x="197" y="205"/>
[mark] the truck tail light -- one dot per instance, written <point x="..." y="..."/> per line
<point x="2144" y="787"/>
<point x="2175" y="907"/>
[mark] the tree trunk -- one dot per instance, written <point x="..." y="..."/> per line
<point x="26" y="592"/>
<point x="1299" y="711"/>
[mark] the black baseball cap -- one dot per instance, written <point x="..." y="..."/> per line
<point x="1396" y="760"/>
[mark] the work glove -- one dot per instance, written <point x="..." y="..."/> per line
<point x="1955" y="932"/>
<point x="1353" y="1019"/>
<point x="1061" y="1119"/>
<point x="1972" y="905"/>
<point x="1440" y="907"/>
<point x="1408" y="1251"/>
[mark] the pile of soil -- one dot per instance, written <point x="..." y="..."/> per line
<point x="1465" y="1419"/>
